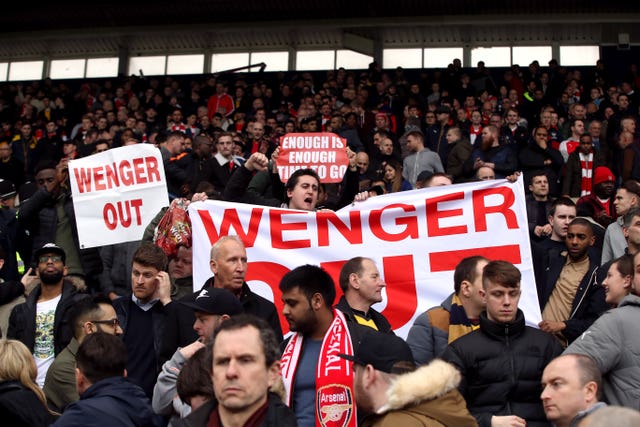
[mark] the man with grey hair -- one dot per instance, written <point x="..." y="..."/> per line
<point x="228" y="263"/>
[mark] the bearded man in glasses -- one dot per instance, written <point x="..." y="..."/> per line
<point x="42" y="323"/>
<point x="91" y="315"/>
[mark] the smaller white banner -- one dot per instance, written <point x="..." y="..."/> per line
<point x="117" y="193"/>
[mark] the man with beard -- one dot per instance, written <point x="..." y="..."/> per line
<point x="491" y="153"/>
<point x="320" y="334"/>
<point x="42" y="323"/>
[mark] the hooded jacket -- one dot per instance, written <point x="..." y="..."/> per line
<point x="425" y="397"/>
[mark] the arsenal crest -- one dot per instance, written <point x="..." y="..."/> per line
<point x="334" y="405"/>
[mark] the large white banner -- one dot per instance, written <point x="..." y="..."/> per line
<point x="415" y="237"/>
<point x="117" y="193"/>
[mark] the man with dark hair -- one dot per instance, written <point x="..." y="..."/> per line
<point x="420" y="159"/>
<point x="538" y="204"/>
<point x="580" y="168"/>
<point x="91" y="315"/>
<point x="627" y="197"/>
<point x="176" y="164"/>
<point x="42" y="322"/>
<point x="362" y="286"/>
<point x="143" y="315"/>
<point x="571" y="389"/>
<point x="317" y="382"/>
<point x="502" y="362"/>
<point x="456" y="316"/>
<point x="561" y="213"/>
<point x="569" y="295"/>
<point x="106" y="397"/>
<point x="392" y="392"/>
<point x="223" y="164"/>
<point x="245" y="367"/>
<point x="49" y="215"/>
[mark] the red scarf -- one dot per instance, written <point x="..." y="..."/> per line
<point x="335" y="404"/>
<point x="586" y="164"/>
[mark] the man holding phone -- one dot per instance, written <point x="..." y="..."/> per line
<point x="143" y="315"/>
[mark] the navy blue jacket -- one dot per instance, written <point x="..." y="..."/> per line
<point x="112" y="402"/>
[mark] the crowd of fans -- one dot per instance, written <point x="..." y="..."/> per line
<point x="571" y="133"/>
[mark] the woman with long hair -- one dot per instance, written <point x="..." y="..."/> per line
<point x="22" y="402"/>
<point x="393" y="177"/>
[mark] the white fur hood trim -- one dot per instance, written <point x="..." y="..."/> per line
<point x="426" y="383"/>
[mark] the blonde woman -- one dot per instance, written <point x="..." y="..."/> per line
<point x="22" y="402"/>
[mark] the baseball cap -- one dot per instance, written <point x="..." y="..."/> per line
<point x="380" y="350"/>
<point x="7" y="189"/>
<point x="214" y="301"/>
<point x="51" y="248"/>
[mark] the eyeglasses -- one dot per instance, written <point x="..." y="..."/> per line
<point x="114" y="323"/>
<point x="45" y="258"/>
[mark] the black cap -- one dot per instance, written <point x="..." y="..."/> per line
<point x="380" y="350"/>
<point x="51" y="248"/>
<point x="7" y="189"/>
<point x="214" y="301"/>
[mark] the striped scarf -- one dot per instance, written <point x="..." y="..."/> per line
<point x="586" y="165"/>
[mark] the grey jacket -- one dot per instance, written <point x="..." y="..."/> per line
<point x="426" y="341"/>
<point x="165" y="390"/>
<point x="613" y="341"/>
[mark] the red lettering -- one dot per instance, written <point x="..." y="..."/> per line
<point x="481" y="210"/>
<point x="110" y="216"/>
<point x="83" y="178"/>
<point x="126" y="175"/>
<point x="230" y="219"/>
<point x="112" y="176"/>
<point x="333" y="268"/>
<point x="410" y="223"/>
<point x="98" y="179"/>
<point x="152" y="169"/>
<point x="278" y="227"/>
<point x="353" y="234"/>
<point x="136" y="204"/>
<point x="138" y="167"/>
<point x="270" y="273"/>
<point x="402" y="296"/>
<point x="125" y="215"/>
<point x="434" y="215"/>
<point x="448" y="260"/>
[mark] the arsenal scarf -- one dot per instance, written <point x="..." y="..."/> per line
<point x="335" y="405"/>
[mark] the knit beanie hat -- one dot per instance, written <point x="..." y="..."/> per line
<point x="602" y="174"/>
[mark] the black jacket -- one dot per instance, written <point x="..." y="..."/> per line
<point x="501" y="366"/>
<point x="20" y="407"/>
<point x="589" y="302"/>
<point x="278" y="415"/>
<point x="381" y="322"/>
<point x="22" y="323"/>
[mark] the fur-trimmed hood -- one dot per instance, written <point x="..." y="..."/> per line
<point x="426" y="383"/>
